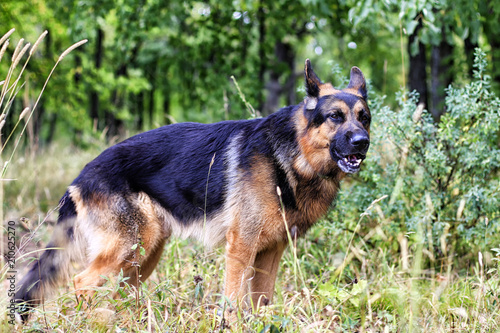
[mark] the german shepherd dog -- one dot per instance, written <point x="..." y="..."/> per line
<point x="248" y="184"/>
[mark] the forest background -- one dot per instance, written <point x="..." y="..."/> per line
<point x="421" y="220"/>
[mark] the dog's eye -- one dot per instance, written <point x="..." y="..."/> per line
<point x="336" y="116"/>
<point x="364" y="118"/>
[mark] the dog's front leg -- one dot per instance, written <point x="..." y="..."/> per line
<point x="266" y="267"/>
<point x="240" y="257"/>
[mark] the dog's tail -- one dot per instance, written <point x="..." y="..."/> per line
<point x="53" y="265"/>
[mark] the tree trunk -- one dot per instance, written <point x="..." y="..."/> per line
<point x="469" y="48"/>
<point x="115" y="125"/>
<point x="491" y="29"/>
<point x="284" y="54"/>
<point x="495" y="57"/>
<point x="140" y="109"/>
<point x="37" y="119"/>
<point x="418" y="66"/>
<point x="34" y="131"/>
<point x="94" y="96"/>
<point x="151" y="105"/>
<point x="77" y="78"/>
<point x="166" y="101"/>
<point x="151" y="75"/>
<point x="261" y="18"/>
<point x="273" y="94"/>
<point x="441" y="76"/>
<point x="52" y="128"/>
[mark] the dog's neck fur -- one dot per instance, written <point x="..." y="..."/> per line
<point x="313" y="191"/>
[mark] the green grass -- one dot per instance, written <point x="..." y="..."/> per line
<point x="373" y="292"/>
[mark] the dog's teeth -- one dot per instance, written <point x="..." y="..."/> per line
<point x="354" y="162"/>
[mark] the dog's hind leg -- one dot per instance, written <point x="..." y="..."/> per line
<point x="148" y="265"/>
<point x="266" y="268"/>
<point x="113" y="255"/>
<point x="118" y="256"/>
<point x="125" y="236"/>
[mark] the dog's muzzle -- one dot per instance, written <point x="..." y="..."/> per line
<point x="357" y="145"/>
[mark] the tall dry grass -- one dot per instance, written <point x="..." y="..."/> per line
<point x="11" y="156"/>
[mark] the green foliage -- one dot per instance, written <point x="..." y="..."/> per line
<point x="155" y="62"/>
<point x="442" y="179"/>
<point x="462" y="18"/>
<point x="152" y="63"/>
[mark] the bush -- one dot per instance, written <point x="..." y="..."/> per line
<point x="441" y="179"/>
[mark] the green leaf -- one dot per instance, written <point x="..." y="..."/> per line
<point x="359" y="287"/>
<point x="410" y="27"/>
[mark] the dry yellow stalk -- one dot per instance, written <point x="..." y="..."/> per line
<point x="6" y="35"/>
<point x="25" y="111"/>
<point x="38" y="41"/>
<point x="71" y="48"/>
<point x="18" y="48"/>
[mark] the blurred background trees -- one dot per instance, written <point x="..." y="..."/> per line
<point x="152" y="62"/>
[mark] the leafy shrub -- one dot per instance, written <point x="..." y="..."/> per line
<point x="441" y="179"/>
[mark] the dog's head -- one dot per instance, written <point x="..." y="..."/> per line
<point x="335" y="126"/>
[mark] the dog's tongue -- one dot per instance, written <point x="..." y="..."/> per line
<point x="352" y="158"/>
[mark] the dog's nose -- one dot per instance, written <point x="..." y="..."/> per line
<point x="360" y="140"/>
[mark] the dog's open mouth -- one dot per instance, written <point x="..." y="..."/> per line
<point x="350" y="163"/>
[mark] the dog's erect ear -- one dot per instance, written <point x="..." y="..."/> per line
<point x="358" y="82"/>
<point x="312" y="80"/>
